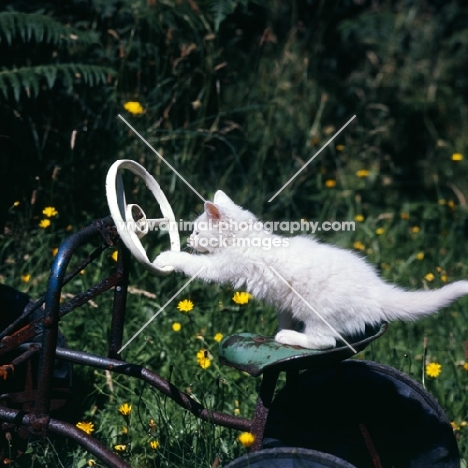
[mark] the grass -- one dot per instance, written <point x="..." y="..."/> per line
<point x="410" y="250"/>
<point x="243" y="111"/>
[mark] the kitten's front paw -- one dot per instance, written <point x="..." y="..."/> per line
<point x="169" y="259"/>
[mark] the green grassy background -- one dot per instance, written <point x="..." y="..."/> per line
<point x="236" y="96"/>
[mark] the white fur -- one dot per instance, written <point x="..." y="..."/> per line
<point x="336" y="283"/>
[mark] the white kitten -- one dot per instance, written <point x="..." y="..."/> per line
<point x="300" y="277"/>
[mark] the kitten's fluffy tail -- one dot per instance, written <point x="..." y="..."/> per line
<point x="411" y="305"/>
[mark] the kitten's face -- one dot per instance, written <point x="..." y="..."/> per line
<point x="220" y="224"/>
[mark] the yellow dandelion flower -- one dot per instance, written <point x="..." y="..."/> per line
<point x="359" y="218"/>
<point x="16" y="203"/>
<point x="176" y="326"/>
<point x="69" y="228"/>
<point x="457" y="157"/>
<point x="124" y="430"/>
<point x="463" y="424"/>
<point x="44" y="223"/>
<point x="91" y="462"/>
<point x="87" y="427"/>
<point x="185" y="306"/>
<point x="379" y="231"/>
<point x="433" y="369"/>
<point x="415" y="229"/>
<point x="441" y="201"/>
<point x="125" y="409"/>
<point x="203" y="359"/>
<point x="451" y="204"/>
<point x="25" y="278"/>
<point x="363" y="173"/>
<point x="340" y="147"/>
<point x="154" y="444"/>
<point x="152" y="425"/>
<point x="429" y="277"/>
<point x="419" y="255"/>
<point x="404" y="216"/>
<point x="330" y="183"/>
<point x="236" y="411"/>
<point x="454" y="426"/>
<point x="218" y="337"/>
<point x="134" y="107"/>
<point x="246" y="439"/>
<point x="49" y="211"/>
<point x="358" y="245"/>
<point x="204" y="363"/>
<point x="54" y="251"/>
<point x="115" y="255"/>
<point x="465" y="366"/>
<point x="82" y="272"/>
<point x="120" y="447"/>
<point x="241" y="298"/>
<point x="443" y="278"/>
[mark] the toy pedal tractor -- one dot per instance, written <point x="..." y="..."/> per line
<point x="332" y="411"/>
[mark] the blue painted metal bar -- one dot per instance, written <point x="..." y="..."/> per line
<point x="52" y="315"/>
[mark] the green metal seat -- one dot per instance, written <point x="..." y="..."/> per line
<point x="254" y="354"/>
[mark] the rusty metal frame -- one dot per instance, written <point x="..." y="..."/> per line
<point x="17" y="336"/>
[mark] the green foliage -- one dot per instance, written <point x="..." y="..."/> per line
<point x="38" y="27"/>
<point x="30" y="79"/>
<point x="219" y="10"/>
<point x="393" y="242"/>
<point x="237" y="96"/>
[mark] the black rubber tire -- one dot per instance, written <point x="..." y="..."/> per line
<point x="330" y="411"/>
<point x="288" y="457"/>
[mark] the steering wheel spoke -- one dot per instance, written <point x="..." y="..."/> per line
<point x="158" y="221"/>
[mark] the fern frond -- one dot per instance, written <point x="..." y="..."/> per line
<point x="30" y="79"/>
<point x="40" y="28"/>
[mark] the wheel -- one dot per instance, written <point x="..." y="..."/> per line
<point x="360" y="411"/>
<point x="17" y="390"/>
<point x="288" y="457"/>
<point x="130" y="220"/>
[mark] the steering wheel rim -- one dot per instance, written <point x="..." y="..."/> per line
<point x="131" y="230"/>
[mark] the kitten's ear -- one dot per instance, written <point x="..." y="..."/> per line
<point x="221" y="198"/>
<point x="212" y="211"/>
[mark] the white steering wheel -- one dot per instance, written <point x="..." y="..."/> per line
<point x="130" y="220"/>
